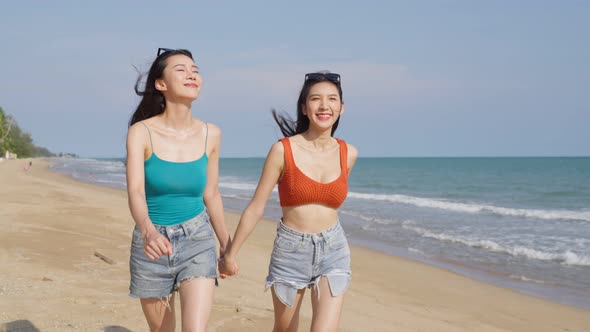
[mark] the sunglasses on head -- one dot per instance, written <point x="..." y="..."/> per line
<point x="164" y="50"/>
<point x="332" y="77"/>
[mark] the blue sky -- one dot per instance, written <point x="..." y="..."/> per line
<point x="420" y="78"/>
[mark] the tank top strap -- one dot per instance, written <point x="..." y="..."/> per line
<point x="289" y="160"/>
<point x="149" y="134"/>
<point x="343" y="155"/>
<point x="206" y="135"/>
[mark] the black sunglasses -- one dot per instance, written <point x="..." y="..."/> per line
<point x="164" y="50"/>
<point x="332" y="77"/>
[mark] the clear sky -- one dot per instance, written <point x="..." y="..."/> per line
<point x="420" y="78"/>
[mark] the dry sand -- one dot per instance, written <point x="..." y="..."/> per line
<point x="50" y="279"/>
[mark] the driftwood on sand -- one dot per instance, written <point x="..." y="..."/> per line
<point x="104" y="258"/>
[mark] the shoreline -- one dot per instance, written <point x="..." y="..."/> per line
<point x="53" y="224"/>
<point x="542" y="290"/>
<point x="553" y="291"/>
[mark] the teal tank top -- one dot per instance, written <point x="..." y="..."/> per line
<point x="174" y="190"/>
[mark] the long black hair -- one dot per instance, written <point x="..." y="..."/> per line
<point x="290" y="127"/>
<point x="153" y="102"/>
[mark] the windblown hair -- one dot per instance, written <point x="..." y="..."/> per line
<point x="290" y="127"/>
<point x="153" y="102"/>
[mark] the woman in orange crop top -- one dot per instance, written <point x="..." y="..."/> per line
<point x="311" y="168"/>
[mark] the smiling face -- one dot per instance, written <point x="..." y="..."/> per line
<point x="323" y="105"/>
<point x="181" y="79"/>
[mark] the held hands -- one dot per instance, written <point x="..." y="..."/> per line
<point x="156" y="245"/>
<point x="227" y="266"/>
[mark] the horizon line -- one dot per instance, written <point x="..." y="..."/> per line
<point x="384" y="157"/>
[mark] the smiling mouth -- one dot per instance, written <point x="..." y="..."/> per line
<point x="191" y="85"/>
<point x="323" y="116"/>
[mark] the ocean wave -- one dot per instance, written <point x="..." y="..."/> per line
<point x="91" y="165"/>
<point x="476" y="208"/>
<point x="106" y="181"/>
<point x="238" y="185"/>
<point x="241" y="186"/>
<point x="376" y="220"/>
<point x="416" y="251"/>
<point x="567" y="257"/>
<point x="526" y="279"/>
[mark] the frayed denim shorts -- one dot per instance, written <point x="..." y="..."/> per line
<point x="299" y="260"/>
<point x="194" y="256"/>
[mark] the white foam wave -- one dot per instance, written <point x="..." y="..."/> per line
<point x="238" y="185"/>
<point x="241" y="186"/>
<point x="417" y="251"/>
<point x="523" y="278"/>
<point x="107" y="181"/>
<point x="568" y="257"/>
<point x="363" y="217"/>
<point x="475" y="208"/>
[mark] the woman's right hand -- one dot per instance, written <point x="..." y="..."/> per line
<point x="156" y="245"/>
<point x="228" y="266"/>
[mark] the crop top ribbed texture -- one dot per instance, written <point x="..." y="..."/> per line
<point x="296" y="188"/>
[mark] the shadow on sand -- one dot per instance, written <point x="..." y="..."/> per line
<point x="27" y="326"/>
<point x="115" y="328"/>
<point x="19" y="326"/>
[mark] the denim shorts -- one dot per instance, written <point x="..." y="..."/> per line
<point x="299" y="260"/>
<point x="194" y="256"/>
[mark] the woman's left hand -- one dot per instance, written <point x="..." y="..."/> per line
<point x="227" y="267"/>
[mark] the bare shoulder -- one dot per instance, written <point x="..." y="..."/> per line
<point x="135" y="127"/>
<point x="153" y="124"/>
<point x="213" y="136"/>
<point x="275" y="158"/>
<point x="276" y="150"/>
<point x="138" y="139"/>
<point x="213" y="130"/>
<point x="136" y="132"/>
<point x="352" y="151"/>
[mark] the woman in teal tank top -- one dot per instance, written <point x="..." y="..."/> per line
<point x="172" y="185"/>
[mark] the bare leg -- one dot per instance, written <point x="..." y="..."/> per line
<point x="196" y="300"/>
<point x="326" y="309"/>
<point x="159" y="314"/>
<point x="286" y="318"/>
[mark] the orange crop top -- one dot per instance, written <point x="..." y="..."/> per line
<point x="296" y="188"/>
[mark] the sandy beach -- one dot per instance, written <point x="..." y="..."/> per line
<point x="52" y="280"/>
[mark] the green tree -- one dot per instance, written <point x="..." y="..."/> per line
<point x="6" y="123"/>
<point x="22" y="143"/>
<point x="15" y="140"/>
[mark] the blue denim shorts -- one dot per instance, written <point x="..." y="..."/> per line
<point x="299" y="260"/>
<point x="194" y="256"/>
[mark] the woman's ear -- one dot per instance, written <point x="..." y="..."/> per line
<point x="160" y="85"/>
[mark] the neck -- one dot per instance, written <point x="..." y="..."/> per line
<point x="318" y="139"/>
<point x="177" y="115"/>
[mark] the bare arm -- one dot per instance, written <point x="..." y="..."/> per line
<point x="136" y="149"/>
<point x="212" y="196"/>
<point x="271" y="172"/>
<point x="137" y="143"/>
<point x="352" y="156"/>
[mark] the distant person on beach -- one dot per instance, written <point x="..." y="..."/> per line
<point x="172" y="185"/>
<point x="27" y="166"/>
<point x="311" y="168"/>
